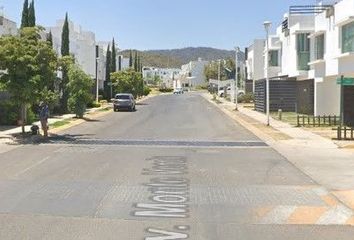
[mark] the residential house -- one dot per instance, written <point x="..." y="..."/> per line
<point x="7" y="26"/>
<point x="82" y="45"/>
<point x="332" y="57"/>
<point x="192" y="74"/>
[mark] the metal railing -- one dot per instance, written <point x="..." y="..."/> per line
<point x="345" y="133"/>
<point x="308" y="9"/>
<point x="318" y="121"/>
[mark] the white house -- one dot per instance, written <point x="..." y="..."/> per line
<point x="82" y="45"/>
<point x="7" y="27"/>
<point x="294" y="35"/>
<point x="255" y="61"/>
<point x="274" y="57"/>
<point x="332" y="57"/>
<point x="166" y="75"/>
<point x="192" y="74"/>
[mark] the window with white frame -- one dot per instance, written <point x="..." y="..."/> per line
<point x="303" y="51"/>
<point x="319" y="47"/>
<point x="274" y="58"/>
<point x="348" y="38"/>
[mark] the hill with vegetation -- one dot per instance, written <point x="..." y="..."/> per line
<point x="177" y="57"/>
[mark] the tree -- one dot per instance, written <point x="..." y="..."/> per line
<point x="136" y="61"/>
<point x="31" y="15"/>
<point x="108" y="63"/>
<point x="65" y="51"/>
<point x="50" y="39"/>
<point x="30" y="66"/>
<point x="211" y="71"/>
<point x="128" y="81"/>
<point x="24" y="20"/>
<point x="65" y="38"/>
<point x="114" y="57"/>
<point x="130" y="58"/>
<point x="80" y="85"/>
<point x="138" y="64"/>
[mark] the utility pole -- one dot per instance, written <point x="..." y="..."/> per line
<point x="97" y="58"/>
<point x="267" y="26"/>
<point x="219" y="76"/>
<point x="237" y="49"/>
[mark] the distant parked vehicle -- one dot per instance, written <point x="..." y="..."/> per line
<point x="229" y="92"/>
<point x="178" y="91"/>
<point x="221" y="92"/>
<point x="124" y="101"/>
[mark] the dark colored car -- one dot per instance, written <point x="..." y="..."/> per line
<point x="124" y="101"/>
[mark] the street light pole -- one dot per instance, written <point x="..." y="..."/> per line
<point x="97" y="58"/>
<point x="237" y="49"/>
<point x="97" y="80"/>
<point x="219" y="76"/>
<point x="267" y="26"/>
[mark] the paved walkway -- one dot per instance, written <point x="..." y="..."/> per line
<point x="316" y="156"/>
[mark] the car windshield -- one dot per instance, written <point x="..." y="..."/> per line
<point x="176" y="120"/>
<point x="123" y="97"/>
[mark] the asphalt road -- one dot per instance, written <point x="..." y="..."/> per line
<point x="177" y="168"/>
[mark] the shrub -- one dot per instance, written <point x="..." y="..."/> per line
<point x="10" y="114"/>
<point x="93" y="104"/>
<point x="246" y="98"/>
<point x="147" y="91"/>
<point x="166" y="90"/>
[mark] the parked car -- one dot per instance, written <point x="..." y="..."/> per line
<point x="178" y="91"/>
<point x="124" y="101"/>
<point x="229" y="92"/>
<point x="221" y="92"/>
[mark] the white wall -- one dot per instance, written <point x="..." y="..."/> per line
<point x="289" y="63"/>
<point x="255" y="62"/>
<point x="7" y="27"/>
<point x="82" y="45"/>
<point x="196" y="69"/>
<point x="327" y="97"/>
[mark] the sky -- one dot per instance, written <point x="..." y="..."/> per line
<point x="164" y="24"/>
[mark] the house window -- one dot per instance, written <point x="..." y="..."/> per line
<point x="303" y="51"/>
<point x="348" y="38"/>
<point x="319" y="47"/>
<point x="274" y="58"/>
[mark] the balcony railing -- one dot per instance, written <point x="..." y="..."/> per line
<point x="308" y="9"/>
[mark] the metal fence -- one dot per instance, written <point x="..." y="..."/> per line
<point x="318" y="121"/>
<point x="345" y="133"/>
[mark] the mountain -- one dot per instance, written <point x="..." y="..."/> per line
<point x="178" y="57"/>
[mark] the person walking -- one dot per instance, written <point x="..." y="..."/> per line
<point x="43" y="116"/>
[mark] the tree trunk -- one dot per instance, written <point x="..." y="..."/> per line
<point x="23" y="117"/>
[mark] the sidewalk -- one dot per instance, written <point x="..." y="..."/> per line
<point x="318" y="157"/>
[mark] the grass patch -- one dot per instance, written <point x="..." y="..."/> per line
<point x="288" y="117"/>
<point x="105" y="109"/>
<point x="59" y="124"/>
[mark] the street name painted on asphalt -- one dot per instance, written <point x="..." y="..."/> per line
<point x="169" y="196"/>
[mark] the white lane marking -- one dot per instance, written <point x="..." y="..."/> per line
<point x="31" y="167"/>
<point x="337" y="215"/>
<point x="166" y="235"/>
<point x="278" y="215"/>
